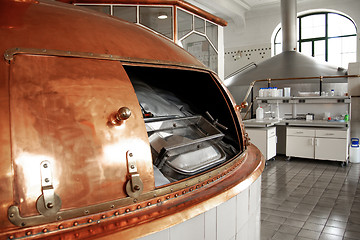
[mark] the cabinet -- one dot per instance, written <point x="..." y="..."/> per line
<point x="265" y="139"/>
<point x="318" y="143"/>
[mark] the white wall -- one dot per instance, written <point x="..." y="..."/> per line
<point x="260" y="23"/>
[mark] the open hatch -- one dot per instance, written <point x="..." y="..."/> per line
<point x="188" y="121"/>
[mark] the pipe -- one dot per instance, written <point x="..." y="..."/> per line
<point x="321" y="78"/>
<point x="288" y="25"/>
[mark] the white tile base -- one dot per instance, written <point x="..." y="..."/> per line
<point x="237" y="218"/>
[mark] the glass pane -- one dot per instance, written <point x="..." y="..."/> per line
<point x="297" y="29"/>
<point x="334" y="51"/>
<point x="158" y="19"/>
<point x="126" y="13"/>
<point x="199" y="24"/>
<point x="313" y="26"/>
<point x="342" y="51"/>
<point x="199" y="47"/>
<point x="278" y="48"/>
<point x="99" y="8"/>
<point x="339" y="25"/>
<point x="212" y="33"/>
<point x="348" y="44"/>
<point x="347" y="58"/>
<point x="319" y="50"/>
<point x="306" y="48"/>
<point x="185" y="23"/>
<point x="278" y="37"/>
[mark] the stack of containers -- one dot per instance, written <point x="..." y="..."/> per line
<point x="270" y="92"/>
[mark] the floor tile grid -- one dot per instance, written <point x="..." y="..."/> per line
<point x="309" y="199"/>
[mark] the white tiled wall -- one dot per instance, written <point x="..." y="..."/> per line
<point x="210" y="224"/>
<point x="235" y="219"/>
<point x="226" y="220"/>
<point x="236" y="58"/>
<point x="190" y="229"/>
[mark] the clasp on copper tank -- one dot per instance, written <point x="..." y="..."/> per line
<point x="120" y="116"/>
<point x="134" y="185"/>
<point x="49" y="203"/>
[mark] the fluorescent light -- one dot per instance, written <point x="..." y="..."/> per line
<point x="162" y="15"/>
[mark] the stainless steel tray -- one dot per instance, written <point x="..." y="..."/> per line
<point x="187" y="145"/>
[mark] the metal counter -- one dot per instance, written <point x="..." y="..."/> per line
<point x="287" y="122"/>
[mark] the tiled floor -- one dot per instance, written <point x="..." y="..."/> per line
<point x="310" y="199"/>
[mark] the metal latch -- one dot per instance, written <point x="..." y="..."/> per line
<point x="49" y="202"/>
<point x="215" y="121"/>
<point x="134" y="185"/>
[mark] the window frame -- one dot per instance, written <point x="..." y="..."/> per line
<point x="313" y="40"/>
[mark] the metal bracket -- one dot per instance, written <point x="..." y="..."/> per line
<point x="134" y="185"/>
<point x="48" y="203"/>
<point x="215" y="122"/>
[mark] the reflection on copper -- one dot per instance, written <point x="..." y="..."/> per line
<point x="55" y="107"/>
<point x="29" y="169"/>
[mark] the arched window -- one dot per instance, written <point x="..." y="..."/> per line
<point x="327" y="36"/>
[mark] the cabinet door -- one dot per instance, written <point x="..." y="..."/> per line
<point x="258" y="138"/>
<point x="300" y="146"/>
<point x="271" y="147"/>
<point x="331" y="149"/>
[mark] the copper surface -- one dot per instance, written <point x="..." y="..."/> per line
<point x="84" y="32"/>
<point x="68" y="126"/>
<point x="6" y="166"/>
<point x="145" y="217"/>
<point x="58" y="93"/>
<point x="180" y="3"/>
<point x="196" y="204"/>
<point x="10" y="53"/>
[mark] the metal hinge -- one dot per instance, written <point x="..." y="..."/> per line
<point x="134" y="185"/>
<point x="49" y="203"/>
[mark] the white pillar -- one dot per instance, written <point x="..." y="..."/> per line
<point x="288" y="25"/>
<point x="221" y="53"/>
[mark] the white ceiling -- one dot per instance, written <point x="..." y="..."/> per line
<point x="231" y="9"/>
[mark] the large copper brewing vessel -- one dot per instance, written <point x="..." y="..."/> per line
<point x="76" y="160"/>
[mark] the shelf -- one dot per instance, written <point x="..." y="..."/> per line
<point x="314" y="99"/>
<point x="314" y="123"/>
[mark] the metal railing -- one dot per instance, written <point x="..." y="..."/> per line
<point x="241" y="69"/>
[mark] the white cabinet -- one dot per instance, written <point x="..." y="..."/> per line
<point x="318" y="143"/>
<point x="300" y="142"/>
<point x="331" y="149"/>
<point x="300" y="146"/>
<point x="265" y="139"/>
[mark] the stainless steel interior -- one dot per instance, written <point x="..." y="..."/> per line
<point x="185" y="145"/>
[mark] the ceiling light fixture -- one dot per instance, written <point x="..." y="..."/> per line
<point x="162" y="16"/>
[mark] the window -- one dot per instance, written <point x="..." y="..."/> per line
<point x="327" y="36"/>
<point x="158" y="19"/>
<point x="194" y="33"/>
<point x="127" y="13"/>
<point x="199" y="37"/>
